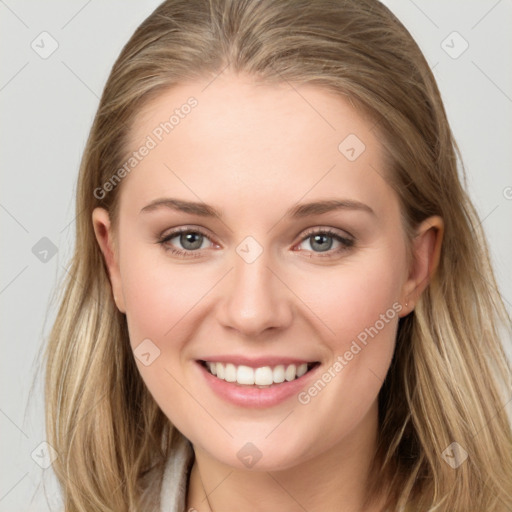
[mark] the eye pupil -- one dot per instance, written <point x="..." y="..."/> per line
<point x="191" y="240"/>
<point x="322" y="242"/>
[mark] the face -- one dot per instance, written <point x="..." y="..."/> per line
<point x="259" y="232"/>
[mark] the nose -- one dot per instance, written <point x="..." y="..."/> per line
<point x="254" y="299"/>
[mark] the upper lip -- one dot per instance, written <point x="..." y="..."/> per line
<point x="256" y="362"/>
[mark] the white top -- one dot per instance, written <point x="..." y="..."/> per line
<point x="173" y="493"/>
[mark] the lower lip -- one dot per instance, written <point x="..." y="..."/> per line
<point x="254" y="397"/>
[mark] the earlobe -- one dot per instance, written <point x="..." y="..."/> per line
<point x="104" y="236"/>
<point x="426" y="254"/>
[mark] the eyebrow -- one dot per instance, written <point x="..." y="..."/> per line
<point x="298" y="211"/>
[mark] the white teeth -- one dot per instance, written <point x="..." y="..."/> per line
<point x="264" y="376"/>
<point x="290" y="372"/>
<point x="230" y="373"/>
<point x="245" y="375"/>
<point x="302" y="369"/>
<point x="278" y="374"/>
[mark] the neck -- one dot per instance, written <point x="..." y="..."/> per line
<point x="334" y="480"/>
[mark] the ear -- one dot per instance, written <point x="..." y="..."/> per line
<point x="425" y="255"/>
<point x="104" y="236"/>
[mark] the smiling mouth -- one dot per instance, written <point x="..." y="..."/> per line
<point x="261" y="377"/>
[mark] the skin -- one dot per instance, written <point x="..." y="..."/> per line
<point x="253" y="151"/>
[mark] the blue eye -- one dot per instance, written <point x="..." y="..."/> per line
<point x="191" y="240"/>
<point x="322" y="241"/>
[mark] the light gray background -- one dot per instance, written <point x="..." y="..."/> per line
<point x="47" y="106"/>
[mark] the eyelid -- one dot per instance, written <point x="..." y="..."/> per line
<point x="327" y="230"/>
<point x="168" y="234"/>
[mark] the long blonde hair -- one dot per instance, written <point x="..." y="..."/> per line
<point x="449" y="377"/>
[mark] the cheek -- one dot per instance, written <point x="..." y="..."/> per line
<point x="159" y="295"/>
<point x="355" y="295"/>
<point x="359" y="303"/>
<point x="160" y="298"/>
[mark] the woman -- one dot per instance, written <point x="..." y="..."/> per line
<point x="281" y="294"/>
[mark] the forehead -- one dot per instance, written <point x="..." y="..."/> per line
<point x="232" y="139"/>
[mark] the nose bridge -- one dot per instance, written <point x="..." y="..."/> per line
<point x="254" y="300"/>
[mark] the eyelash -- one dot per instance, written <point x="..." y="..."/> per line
<point x="346" y="243"/>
